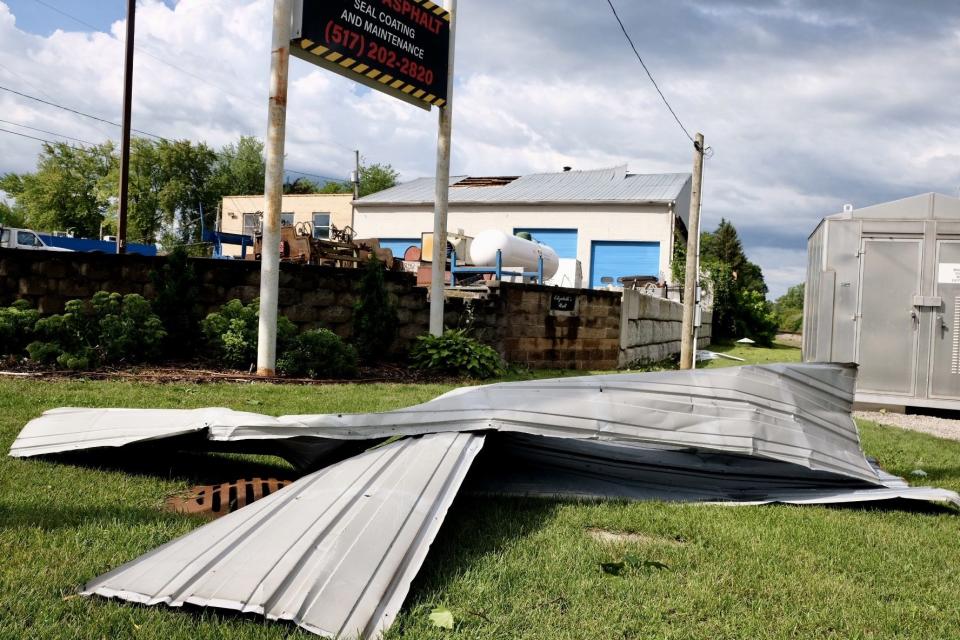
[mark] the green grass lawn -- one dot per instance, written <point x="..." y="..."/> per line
<point x="779" y="352"/>
<point x="506" y="568"/>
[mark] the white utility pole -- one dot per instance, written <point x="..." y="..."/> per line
<point x="276" y="134"/>
<point x="442" y="196"/>
<point x="688" y="346"/>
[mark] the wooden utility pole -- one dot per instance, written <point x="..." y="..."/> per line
<point x="273" y="182"/>
<point x="125" y="128"/>
<point x="442" y="193"/>
<point x="688" y="346"/>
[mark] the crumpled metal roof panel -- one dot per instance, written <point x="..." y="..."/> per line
<point x="334" y="552"/>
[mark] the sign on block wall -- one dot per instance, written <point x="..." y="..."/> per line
<point x="400" y="47"/>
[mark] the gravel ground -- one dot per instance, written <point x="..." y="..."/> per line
<point x="940" y="427"/>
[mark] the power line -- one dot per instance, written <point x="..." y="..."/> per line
<point x="114" y="124"/>
<point x="23" y="135"/>
<point x="649" y="75"/>
<point x="52" y="133"/>
<point x="172" y="66"/>
<point x="79" y="113"/>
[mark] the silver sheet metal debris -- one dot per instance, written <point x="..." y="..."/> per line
<point x="335" y="551"/>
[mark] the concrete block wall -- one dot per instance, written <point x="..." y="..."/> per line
<point x="651" y="328"/>
<point x="311" y="297"/>
<point x="602" y="330"/>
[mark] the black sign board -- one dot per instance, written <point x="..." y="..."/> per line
<point x="563" y="302"/>
<point x="400" y="47"/>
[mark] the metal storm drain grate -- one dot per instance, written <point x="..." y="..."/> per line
<point x="220" y="499"/>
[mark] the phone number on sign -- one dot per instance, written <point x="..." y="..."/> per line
<point x="362" y="49"/>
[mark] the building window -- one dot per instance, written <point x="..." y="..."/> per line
<point x="251" y="224"/>
<point x="286" y="219"/>
<point x="321" y="226"/>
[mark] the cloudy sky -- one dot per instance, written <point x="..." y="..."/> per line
<point x="808" y="104"/>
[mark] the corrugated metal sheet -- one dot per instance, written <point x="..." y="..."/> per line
<point x="334" y="552"/>
<point x="798" y="414"/>
<point x="604" y="185"/>
<point x="534" y="466"/>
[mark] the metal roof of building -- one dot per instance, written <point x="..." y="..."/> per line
<point x="925" y="206"/>
<point x="598" y="186"/>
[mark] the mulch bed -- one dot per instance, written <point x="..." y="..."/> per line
<point x="195" y="372"/>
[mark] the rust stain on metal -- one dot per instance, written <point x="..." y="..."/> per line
<point x="220" y="499"/>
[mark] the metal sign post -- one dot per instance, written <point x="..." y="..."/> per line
<point x="276" y="133"/>
<point x="403" y="48"/>
<point x="442" y="193"/>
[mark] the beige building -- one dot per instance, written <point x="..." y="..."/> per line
<point x="616" y="224"/>
<point x="242" y="214"/>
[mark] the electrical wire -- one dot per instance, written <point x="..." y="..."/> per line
<point x="650" y="75"/>
<point x="79" y="113"/>
<point x="52" y="133"/>
<point x="114" y="124"/>
<point x="175" y="67"/>
<point x="23" y="135"/>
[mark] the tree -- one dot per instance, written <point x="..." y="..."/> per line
<point x="68" y="192"/>
<point x="11" y="216"/>
<point x="301" y="186"/>
<point x="376" y="177"/>
<point x="239" y="168"/>
<point x="740" y="307"/>
<point x="789" y="308"/>
<point x="336" y="187"/>
<point x="188" y="192"/>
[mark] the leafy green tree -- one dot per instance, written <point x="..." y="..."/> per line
<point x="239" y="168"/>
<point x="301" y="186"/>
<point x="336" y="187"/>
<point x="11" y="216"/>
<point x="374" y="317"/>
<point x="740" y="307"/>
<point x="789" y="308"/>
<point x="377" y="177"/>
<point x="69" y="190"/>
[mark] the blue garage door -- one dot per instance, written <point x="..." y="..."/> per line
<point x="399" y="245"/>
<point x="563" y="241"/>
<point x="616" y="259"/>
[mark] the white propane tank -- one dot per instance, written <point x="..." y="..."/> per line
<point x="516" y="252"/>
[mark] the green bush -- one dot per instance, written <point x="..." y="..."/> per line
<point x="319" y="354"/>
<point x="232" y="333"/>
<point x="108" y="328"/>
<point x="176" y="290"/>
<point x="374" y="318"/>
<point x="456" y="353"/>
<point x="17" y="325"/>
<point x="757" y="318"/>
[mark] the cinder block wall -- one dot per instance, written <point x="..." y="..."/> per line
<point x="596" y="332"/>
<point x="311" y="297"/>
<point x="651" y="328"/>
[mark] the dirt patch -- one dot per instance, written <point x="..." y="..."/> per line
<point x="605" y="536"/>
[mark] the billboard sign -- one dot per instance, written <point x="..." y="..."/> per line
<point x="400" y="47"/>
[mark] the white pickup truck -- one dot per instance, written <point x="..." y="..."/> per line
<point x="11" y="238"/>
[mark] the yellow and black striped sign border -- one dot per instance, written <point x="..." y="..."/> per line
<point x="435" y="9"/>
<point x="360" y="68"/>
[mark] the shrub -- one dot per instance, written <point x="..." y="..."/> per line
<point x="374" y="318"/>
<point x="17" y="325"/>
<point x="232" y="333"/>
<point x="108" y="328"/>
<point x="319" y="354"/>
<point x="176" y="289"/>
<point x="456" y="353"/>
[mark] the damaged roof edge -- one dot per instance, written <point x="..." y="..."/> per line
<point x="334" y="552"/>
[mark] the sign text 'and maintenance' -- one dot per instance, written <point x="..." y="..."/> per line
<point x="400" y="47"/>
